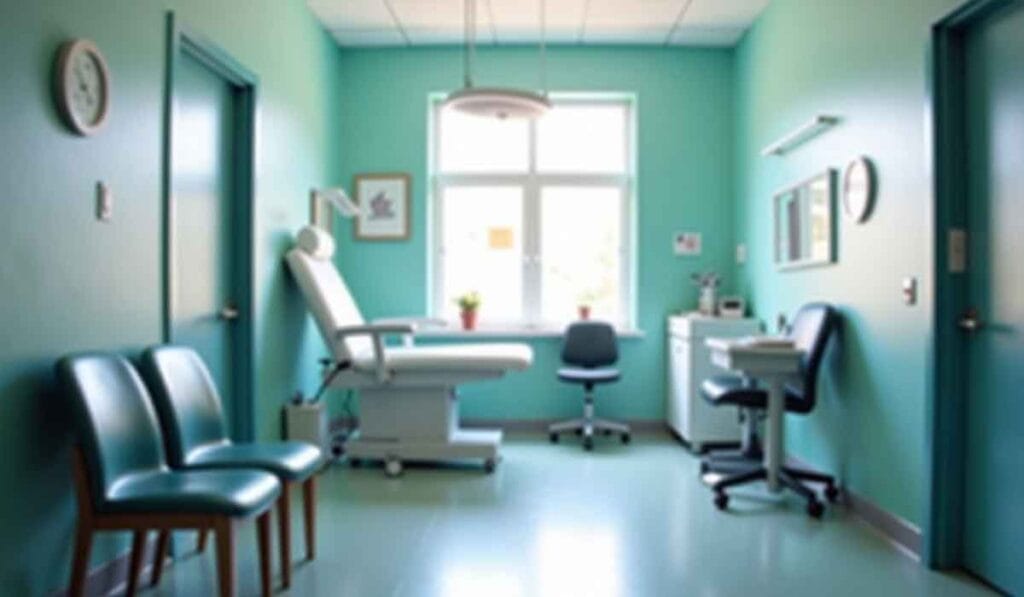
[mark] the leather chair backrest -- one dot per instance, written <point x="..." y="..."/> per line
<point x="186" y="400"/>
<point x="117" y="426"/>
<point x="811" y="329"/>
<point x="590" y="344"/>
<point x="327" y="296"/>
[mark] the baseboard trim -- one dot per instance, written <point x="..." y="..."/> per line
<point x="112" y="576"/>
<point x="902" y="533"/>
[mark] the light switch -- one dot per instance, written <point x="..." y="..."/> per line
<point x="104" y="202"/>
<point x="910" y="290"/>
<point x="741" y="253"/>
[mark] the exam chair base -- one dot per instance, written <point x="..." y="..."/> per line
<point x="789" y="477"/>
<point x="461" y="445"/>
<point x="588" y="426"/>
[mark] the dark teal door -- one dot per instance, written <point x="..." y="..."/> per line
<point x="994" y="521"/>
<point x="204" y="301"/>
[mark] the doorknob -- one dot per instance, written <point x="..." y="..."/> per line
<point x="229" y="313"/>
<point x="970" y="321"/>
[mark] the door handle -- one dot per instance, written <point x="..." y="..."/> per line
<point x="970" y="321"/>
<point x="229" y="313"/>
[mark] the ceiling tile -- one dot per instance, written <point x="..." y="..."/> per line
<point x="368" y="37"/>
<point x="441" y="20"/>
<point x="633" y="14"/>
<point x="611" y="35"/>
<point x="351" y="14"/>
<point x="716" y="13"/>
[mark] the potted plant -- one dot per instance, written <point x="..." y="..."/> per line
<point x="469" y="304"/>
<point x="584" y="305"/>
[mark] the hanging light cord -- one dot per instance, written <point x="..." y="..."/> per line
<point x="543" y="48"/>
<point x="469" y="22"/>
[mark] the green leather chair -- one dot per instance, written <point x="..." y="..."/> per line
<point x="123" y="481"/>
<point x="189" y="408"/>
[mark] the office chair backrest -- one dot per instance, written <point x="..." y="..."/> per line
<point x="590" y="344"/>
<point x="186" y="401"/>
<point x="117" y="426"/>
<point x="327" y="296"/>
<point x="812" y="327"/>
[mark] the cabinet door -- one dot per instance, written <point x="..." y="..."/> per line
<point x="677" y="377"/>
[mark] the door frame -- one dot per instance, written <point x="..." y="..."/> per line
<point x="946" y="436"/>
<point x="183" y="41"/>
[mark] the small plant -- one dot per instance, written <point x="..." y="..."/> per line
<point x="584" y="303"/>
<point x="469" y="301"/>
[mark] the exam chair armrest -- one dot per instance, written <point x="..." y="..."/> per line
<point x="415" y="322"/>
<point x="377" y="333"/>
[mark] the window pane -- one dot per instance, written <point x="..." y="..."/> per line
<point x="582" y="138"/>
<point x="581" y="231"/>
<point x="476" y="144"/>
<point x="483" y="250"/>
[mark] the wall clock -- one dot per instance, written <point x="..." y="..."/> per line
<point x="82" y="86"/>
<point x="859" y="189"/>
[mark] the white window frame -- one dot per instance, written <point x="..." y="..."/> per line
<point x="532" y="182"/>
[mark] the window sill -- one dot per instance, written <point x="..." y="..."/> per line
<point x="454" y="332"/>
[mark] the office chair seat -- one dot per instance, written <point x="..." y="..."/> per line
<point x="588" y="376"/>
<point x="730" y="389"/>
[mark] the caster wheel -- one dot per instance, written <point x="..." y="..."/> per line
<point x="721" y="501"/>
<point x="489" y="465"/>
<point x="355" y="462"/>
<point x="606" y="432"/>
<point x="815" y="509"/>
<point x="393" y="467"/>
<point x="832" y="494"/>
<point x="578" y="432"/>
<point x="704" y="468"/>
<point x="626" y="438"/>
<point x="588" y="443"/>
<point x="553" y="437"/>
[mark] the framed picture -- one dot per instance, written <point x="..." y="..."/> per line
<point x="384" y="200"/>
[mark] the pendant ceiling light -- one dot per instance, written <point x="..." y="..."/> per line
<point x="497" y="102"/>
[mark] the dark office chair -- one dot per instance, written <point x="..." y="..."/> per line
<point x="812" y="327"/>
<point x="589" y="348"/>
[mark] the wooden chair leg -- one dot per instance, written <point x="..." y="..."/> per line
<point x="263" y="537"/>
<point x="201" y="540"/>
<point x="226" y="557"/>
<point x="309" y="510"/>
<point x="80" y="565"/>
<point x="284" y="531"/>
<point x="160" y="557"/>
<point x="135" y="565"/>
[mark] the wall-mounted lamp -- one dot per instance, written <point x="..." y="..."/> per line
<point x="335" y="197"/>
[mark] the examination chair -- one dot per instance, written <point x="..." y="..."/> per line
<point x="408" y="408"/>
<point x="123" y="482"/>
<point x="589" y="349"/>
<point x="812" y="328"/>
<point x="189" y="408"/>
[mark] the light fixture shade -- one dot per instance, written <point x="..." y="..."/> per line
<point x="498" y="103"/>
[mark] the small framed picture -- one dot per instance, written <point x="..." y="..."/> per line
<point x="384" y="203"/>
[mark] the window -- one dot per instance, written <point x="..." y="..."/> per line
<point x="535" y="216"/>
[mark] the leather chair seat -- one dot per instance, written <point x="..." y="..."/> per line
<point x="731" y="389"/>
<point x="231" y="493"/>
<point x="588" y="376"/>
<point x="290" y="460"/>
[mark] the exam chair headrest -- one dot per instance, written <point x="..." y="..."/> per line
<point x="315" y="242"/>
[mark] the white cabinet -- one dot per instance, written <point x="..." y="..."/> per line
<point x="689" y="363"/>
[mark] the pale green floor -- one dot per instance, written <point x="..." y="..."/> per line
<point x="555" y="521"/>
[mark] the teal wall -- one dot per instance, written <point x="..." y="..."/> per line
<point x="70" y="283"/>
<point x="865" y="62"/>
<point x="685" y="182"/>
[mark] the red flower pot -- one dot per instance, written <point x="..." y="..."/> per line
<point x="469" y="319"/>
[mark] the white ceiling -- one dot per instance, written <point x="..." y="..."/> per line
<point x="433" y="22"/>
